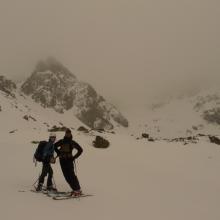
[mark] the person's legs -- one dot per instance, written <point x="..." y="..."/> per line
<point x="64" y="168"/>
<point x="42" y="176"/>
<point x="69" y="174"/>
<point x="74" y="182"/>
<point x="50" y="176"/>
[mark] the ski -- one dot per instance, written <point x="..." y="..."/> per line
<point x="57" y="194"/>
<point x="52" y="193"/>
<point x="41" y="191"/>
<point x="70" y="197"/>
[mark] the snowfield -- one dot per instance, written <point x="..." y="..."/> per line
<point x="132" y="179"/>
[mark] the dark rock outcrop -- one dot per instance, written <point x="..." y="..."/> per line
<point x="214" y="139"/>
<point x="100" y="142"/>
<point x="7" y="86"/>
<point x="83" y="129"/>
<point x="151" y="139"/>
<point x="56" y="128"/>
<point x="144" y="135"/>
<point x="13" y="131"/>
<point x="185" y="140"/>
<point x="27" y="117"/>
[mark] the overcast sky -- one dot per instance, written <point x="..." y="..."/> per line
<point x="127" y="49"/>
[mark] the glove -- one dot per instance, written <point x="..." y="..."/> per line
<point x="72" y="158"/>
<point x="53" y="160"/>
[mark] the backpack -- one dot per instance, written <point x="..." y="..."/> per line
<point x="38" y="155"/>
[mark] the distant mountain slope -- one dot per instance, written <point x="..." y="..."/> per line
<point x="188" y="115"/>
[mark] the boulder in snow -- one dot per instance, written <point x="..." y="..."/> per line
<point x="100" y="142"/>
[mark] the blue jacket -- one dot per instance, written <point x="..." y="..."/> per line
<point x="48" y="150"/>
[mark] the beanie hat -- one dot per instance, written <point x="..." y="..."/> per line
<point x="68" y="131"/>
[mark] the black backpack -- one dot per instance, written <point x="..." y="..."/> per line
<point x="38" y="155"/>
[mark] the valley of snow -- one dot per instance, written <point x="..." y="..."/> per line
<point x="132" y="179"/>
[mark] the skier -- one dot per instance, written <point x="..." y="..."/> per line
<point x="64" y="148"/>
<point x="47" y="159"/>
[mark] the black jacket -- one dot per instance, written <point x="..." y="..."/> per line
<point x="64" y="148"/>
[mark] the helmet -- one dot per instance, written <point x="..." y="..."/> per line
<point x="52" y="135"/>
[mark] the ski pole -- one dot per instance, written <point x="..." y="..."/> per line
<point x="54" y="183"/>
<point x="36" y="181"/>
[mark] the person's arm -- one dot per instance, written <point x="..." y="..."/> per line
<point x="56" y="146"/>
<point x="79" y="150"/>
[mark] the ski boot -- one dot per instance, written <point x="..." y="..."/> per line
<point x="51" y="188"/>
<point x="76" y="193"/>
<point x="39" y="187"/>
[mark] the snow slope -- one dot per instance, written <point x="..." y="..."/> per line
<point x="130" y="180"/>
<point x="39" y="118"/>
<point x="181" y="117"/>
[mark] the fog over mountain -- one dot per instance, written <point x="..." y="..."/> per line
<point x="130" y="51"/>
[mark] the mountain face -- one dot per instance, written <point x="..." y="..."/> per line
<point x="53" y="86"/>
<point x="7" y="86"/>
<point x="20" y="116"/>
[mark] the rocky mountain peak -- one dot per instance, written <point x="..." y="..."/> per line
<point x="49" y="84"/>
<point x="53" y="86"/>
<point x="51" y="65"/>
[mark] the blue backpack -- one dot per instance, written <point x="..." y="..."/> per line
<point x="38" y="155"/>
